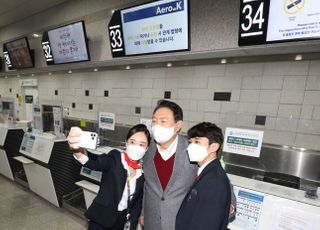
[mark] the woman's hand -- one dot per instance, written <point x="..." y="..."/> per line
<point x="74" y="139"/>
<point x="141" y="220"/>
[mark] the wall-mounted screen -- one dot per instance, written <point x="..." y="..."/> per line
<point x="17" y="54"/>
<point x="159" y="26"/>
<point x="66" y="44"/>
<point x="8" y="108"/>
<point x="294" y="19"/>
<point x="28" y="99"/>
<point x="270" y="21"/>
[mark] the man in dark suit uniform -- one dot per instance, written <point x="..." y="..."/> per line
<point x="207" y="203"/>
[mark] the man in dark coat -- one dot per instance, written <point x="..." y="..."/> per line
<point x="207" y="203"/>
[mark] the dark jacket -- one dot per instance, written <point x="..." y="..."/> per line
<point x="104" y="208"/>
<point x="207" y="204"/>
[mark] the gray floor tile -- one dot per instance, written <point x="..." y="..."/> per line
<point x="20" y="209"/>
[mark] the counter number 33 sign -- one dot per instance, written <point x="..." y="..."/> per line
<point x="253" y="22"/>
<point x="116" y="35"/>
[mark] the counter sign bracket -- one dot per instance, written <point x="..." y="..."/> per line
<point x="116" y="35"/>
<point x="253" y="22"/>
<point x="46" y="47"/>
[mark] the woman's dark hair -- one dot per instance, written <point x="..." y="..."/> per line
<point x="139" y="128"/>
<point x="208" y="130"/>
<point x="175" y="108"/>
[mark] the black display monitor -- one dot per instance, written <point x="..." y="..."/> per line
<point x="17" y="54"/>
<point x="293" y="20"/>
<point x="154" y="27"/>
<point x="66" y="44"/>
<point x="273" y="21"/>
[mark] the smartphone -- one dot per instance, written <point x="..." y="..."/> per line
<point x="88" y="140"/>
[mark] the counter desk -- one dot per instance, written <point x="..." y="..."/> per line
<point x="10" y="140"/>
<point x="262" y="205"/>
<point x="49" y="166"/>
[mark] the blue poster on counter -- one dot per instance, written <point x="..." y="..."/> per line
<point x="249" y="208"/>
<point x="243" y="141"/>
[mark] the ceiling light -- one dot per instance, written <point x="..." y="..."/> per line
<point x="223" y="61"/>
<point x="169" y="64"/>
<point x="70" y="71"/>
<point x="95" y="70"/>
<point x="32" y="75"/>
<point x="18" y="75"/>
<point x="298" y="57"/>
<point x="49" y="73"/>
<point x="128" y="67"/>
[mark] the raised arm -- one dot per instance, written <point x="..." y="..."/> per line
<point x="102" y="163"/>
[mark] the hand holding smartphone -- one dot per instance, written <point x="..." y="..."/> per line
<point x="88" y="140"/>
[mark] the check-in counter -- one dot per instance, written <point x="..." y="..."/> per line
<point x="262" y="206"/>
<point x="49" y="166"/>
<point x="10" y="140"/>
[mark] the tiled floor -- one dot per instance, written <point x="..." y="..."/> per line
<point x="20" y="209"/>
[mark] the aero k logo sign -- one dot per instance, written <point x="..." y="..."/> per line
<point x="293" y="6"/>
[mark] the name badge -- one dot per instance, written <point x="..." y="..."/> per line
<point x="127" y="225"/>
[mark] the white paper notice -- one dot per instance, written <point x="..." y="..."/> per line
<point x="146" y="122"/>
<point x="37" y="117"/>
<point x="107" y="120"/>
<point x="286" y="218"/>
<point x="57" y="120"/>
<point x="293" y="19"/>
<point x="243" y="141"/>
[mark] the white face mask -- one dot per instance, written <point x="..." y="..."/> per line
<point x="162" y="134"/>
<point x="135" y="152"/>
<point x="197" y="153"/>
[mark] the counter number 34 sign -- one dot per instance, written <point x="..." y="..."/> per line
<point x="253" y="22"/>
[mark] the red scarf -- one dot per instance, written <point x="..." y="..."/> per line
<point x="131" y="163"/>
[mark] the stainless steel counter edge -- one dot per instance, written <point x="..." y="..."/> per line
<point x="273" y="189"/>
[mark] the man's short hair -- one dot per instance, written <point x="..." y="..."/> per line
<point x="175" y="108"/>
<point x="208" y="130"/>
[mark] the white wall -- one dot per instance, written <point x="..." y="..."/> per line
<point x="288" y="93"/>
